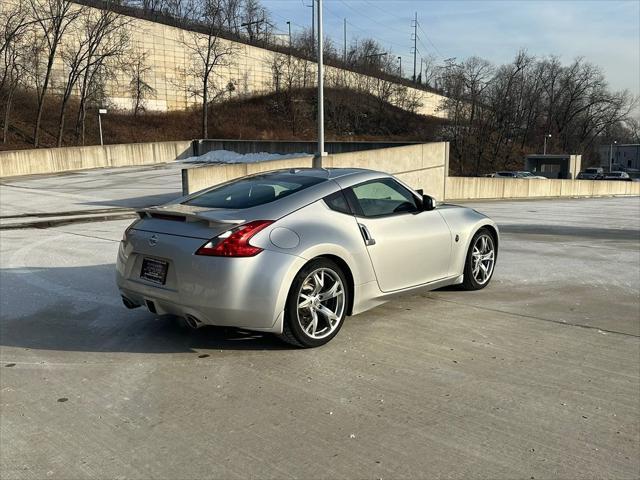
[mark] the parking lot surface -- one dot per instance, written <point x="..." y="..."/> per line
<point x="536" y="376"/>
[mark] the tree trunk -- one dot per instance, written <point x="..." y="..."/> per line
<point x="63" y="108"/>
<point x="41" y="98"/>
<point x="83" y="123"/>
<point x="205" y="110"/>
<point x="7" y="115"/>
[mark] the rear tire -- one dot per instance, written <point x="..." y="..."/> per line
<point x="316" y="305"/>
<point x="481" y="261"/>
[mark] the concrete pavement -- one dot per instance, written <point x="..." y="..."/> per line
<point x="537" y="376"/>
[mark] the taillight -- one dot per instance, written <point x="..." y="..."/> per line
<point x="235" y="242"/>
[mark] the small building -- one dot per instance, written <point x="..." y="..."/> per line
<point x="554" y="166"/>
<point x="620" y="157"/>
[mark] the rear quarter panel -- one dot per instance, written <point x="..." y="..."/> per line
<point x="321" y="232"/>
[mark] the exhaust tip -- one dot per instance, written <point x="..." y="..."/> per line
<point x="193" y="322"/>
<point x="129" y="303"/>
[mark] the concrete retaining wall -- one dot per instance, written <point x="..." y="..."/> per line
<point x="421" y="166"/>
<point x="170" y="56"/>
<point x="53" y="160"/>
<point x="472" y="188"/>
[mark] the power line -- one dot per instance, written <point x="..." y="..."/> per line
<point x="365" y="31"/>
<point x="387" y="12"/>
<point x="287" y="20"/>
<point x="429" y="40"/>
<point x="362" y="14"/>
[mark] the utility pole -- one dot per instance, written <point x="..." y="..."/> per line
<point x="376" y="56"/>
<point x="415" y="45"/>
<point x="254" y="22"/>
<point x="317" y="159"/>
<point x="344" y="50"/>
<point x="400" y="58"/>
<point x="289" y="24"/>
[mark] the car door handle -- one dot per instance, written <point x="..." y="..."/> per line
<point x="368" y="239"/>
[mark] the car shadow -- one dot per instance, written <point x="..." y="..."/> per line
<point x="79" y="309"/>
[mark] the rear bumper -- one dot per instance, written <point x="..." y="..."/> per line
<point x="240" y="292"/>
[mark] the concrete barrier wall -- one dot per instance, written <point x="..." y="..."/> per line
<point x="421" y="166"/>
<point x="478" y="188"/>
<point x="200" y="147"/>
<point x="53" y="160"/>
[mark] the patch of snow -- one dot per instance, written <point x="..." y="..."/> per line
<point x="227" y="156"/>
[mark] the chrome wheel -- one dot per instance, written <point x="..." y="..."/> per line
<point x="483" y="257"/>
<point x="321" y="303"/>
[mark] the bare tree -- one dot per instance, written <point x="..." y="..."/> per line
<point x="15" y="60"/>
<point x="92" y="94"/>
<point x="139" y="69"/>
<point x="290" y="77"/>
<point x="14" y="24"/>
<point x="429" y="71"/>
<point x="209" y="53"/>
<point x="53" y="18"/>
<point x="255" y="19"/>
<point x="232" y="12"/>
<point x="497" y="115"/>
<point x="14" y="21"/>
<point x="97" y="37"/>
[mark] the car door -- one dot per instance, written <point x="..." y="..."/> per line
<point x="407" y="246"/>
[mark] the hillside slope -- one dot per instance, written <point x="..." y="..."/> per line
<point x="349" y="115"/>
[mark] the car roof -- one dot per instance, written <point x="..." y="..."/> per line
<point x="343" y="176"/>
<point x="331" y="173"/>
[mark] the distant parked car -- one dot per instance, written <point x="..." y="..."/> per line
<point x="622" y="176"/>
<point x="595" y="173"/>
<point x="522" y="174"/>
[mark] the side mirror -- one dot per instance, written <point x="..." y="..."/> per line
<point x="420" y="192"/>
<point x="428" y="203"/>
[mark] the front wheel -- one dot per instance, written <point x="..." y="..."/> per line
<point x="481" y="260"/>
<point x="316" y="305"/>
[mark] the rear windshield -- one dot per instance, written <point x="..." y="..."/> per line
<point x="253" y="191"/>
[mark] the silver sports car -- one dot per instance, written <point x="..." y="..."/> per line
<point x="294" y="252"/>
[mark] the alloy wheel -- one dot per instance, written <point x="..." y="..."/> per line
<point x="483" y="257"/>
<point x="321" y="303"/>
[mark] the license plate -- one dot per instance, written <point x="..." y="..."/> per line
<point x="154" y="271"/>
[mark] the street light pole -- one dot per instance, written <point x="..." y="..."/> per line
<point x="344" y="47"/>
<point x="317" y="160"/>
<point x="611" y="154"/>
<point x="544" y="150"/>
<point x="289" y="24"/>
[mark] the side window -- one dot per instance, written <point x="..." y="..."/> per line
<point x="384" y="197"/>
<point x="338" y="202"/>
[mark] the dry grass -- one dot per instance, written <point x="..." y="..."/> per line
<point x="349" y="115"/>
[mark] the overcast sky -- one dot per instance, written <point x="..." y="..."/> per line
<point x="606" y="33"/>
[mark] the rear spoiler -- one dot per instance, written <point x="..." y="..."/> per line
<point x="183" y="216"/>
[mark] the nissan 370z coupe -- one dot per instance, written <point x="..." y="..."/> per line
<point x="294" y="252"/>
